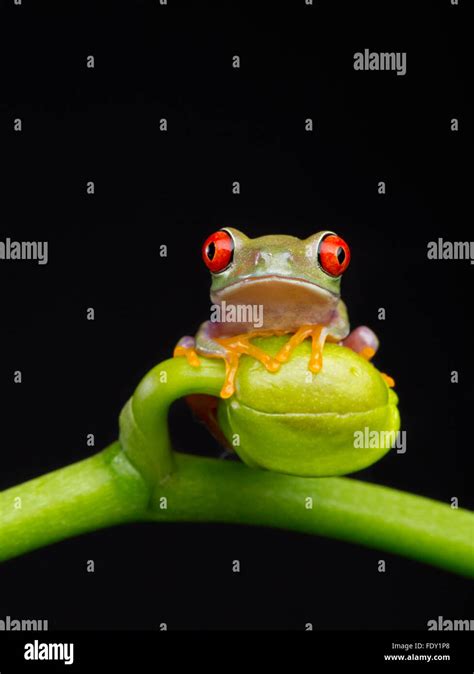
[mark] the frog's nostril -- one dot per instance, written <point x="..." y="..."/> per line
<point x="262" y="258"/>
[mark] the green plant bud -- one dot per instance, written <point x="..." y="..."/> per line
<point x="300" y="423"/>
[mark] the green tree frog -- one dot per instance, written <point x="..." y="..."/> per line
<point x="274" y="285"/>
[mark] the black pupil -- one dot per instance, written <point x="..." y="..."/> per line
<point x="211" y="250"/>
<point x="341" y="255"/>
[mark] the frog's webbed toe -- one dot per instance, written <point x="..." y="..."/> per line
<point x="231" y="350"/>
<point x="187" y="347"/>
<point x="318" y="334"/>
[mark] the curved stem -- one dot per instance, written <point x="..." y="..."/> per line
<point x="144" y="419"/>
<point x="106" y="490"/>
<point x="338" y="507"/>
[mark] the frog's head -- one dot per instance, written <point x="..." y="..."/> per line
<point x="283" y="273"/>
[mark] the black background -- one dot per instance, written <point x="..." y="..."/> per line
<point x="174" y="188"/>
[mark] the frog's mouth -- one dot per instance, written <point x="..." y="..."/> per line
<point x="286" y="301"/>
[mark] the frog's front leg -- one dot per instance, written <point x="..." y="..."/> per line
<point x="363" y="341"/>
<point x="210" y="344"/>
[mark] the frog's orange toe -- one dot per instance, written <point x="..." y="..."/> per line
<point x="189" y="352"/>
<point x="388" y="379"/>
<point x="367" y="352"/>
<point x="236" y="346"/>
<point x="273" y="365"/>
<point x="315" y="364"/>
<point x="318" y="334"/>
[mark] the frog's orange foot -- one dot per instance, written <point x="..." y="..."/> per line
<point x="318" y="334"/>
<point x="185" y="347"/>
<point x="234" y="347"/>
<point x="239" y="345"/>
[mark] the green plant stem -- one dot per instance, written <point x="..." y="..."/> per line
<point x="100" y="491"/>
<point x="343" y="508"/>
<point x="105" y="490"/>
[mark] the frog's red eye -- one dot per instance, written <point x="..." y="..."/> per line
<point x="334" y="255"/>
<point x="218" y="251"/>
